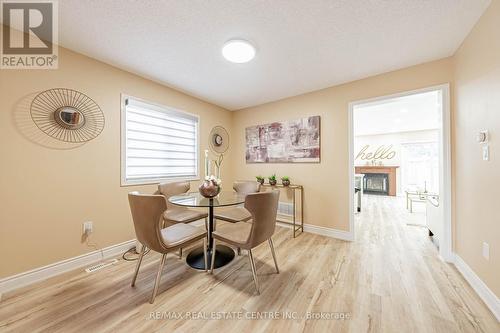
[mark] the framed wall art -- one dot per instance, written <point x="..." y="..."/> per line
<point x="291" y="141"/>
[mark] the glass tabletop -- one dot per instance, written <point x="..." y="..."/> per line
<point x="195" y="199"/>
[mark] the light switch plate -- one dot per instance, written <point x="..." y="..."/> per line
<point x="486" y="153"/>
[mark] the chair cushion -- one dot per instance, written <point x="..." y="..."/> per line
<point x="234" y="215"/>
<point x="233" y="233"/>
<point x="180" y="233"/>
<point x="179" y="215"/>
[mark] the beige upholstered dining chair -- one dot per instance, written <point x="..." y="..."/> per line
<point x="238" y="214"/>
<point x="176" y="214"/>
<point x="263" y="208"/>
<point x="147" y="213"/>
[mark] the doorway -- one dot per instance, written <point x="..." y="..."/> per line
<point x="399" y="152"/>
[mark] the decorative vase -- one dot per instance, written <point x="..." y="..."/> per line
<point x="285" y="182"/>
<point x="272" y="182"/>
<point x="261" y="181"/>
<point x="209" y="189"/>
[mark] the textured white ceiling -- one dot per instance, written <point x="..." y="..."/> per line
<point x="303" y="45"/>
<point x="401" y="114"/>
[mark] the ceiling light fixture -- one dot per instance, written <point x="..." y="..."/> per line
<point x="238" y="51"/>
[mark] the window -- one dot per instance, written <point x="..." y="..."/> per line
<point x="420" y="166"/>
<point x="158" y="143"/>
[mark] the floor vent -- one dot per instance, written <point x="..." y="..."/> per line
<point x="285" y="208"/>
<point x="100" y="266"/>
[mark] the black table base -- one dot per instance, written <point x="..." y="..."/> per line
<point x="223" y="256"/>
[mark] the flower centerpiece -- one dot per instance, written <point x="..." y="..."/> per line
<point x="210" y="187"/>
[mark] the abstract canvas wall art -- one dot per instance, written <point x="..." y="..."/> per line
<point x="291" y="141"/>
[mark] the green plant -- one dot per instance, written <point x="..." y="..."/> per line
<point x="259" y="178"/>
<point x="273" y="177"/>
<point x="285" y="178"/>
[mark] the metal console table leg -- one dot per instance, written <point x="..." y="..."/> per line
<point x="301" y="227"/>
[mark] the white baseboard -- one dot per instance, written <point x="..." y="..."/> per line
<point x="324" y="231"/>
<point x="329" y="232"/>
<point x="488" y="297"/>
<point x="23" y="279"/>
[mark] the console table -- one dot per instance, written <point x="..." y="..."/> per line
<point x="294" y="189"/>
<point x="415" y="196"/>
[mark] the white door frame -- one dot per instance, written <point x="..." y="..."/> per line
<point x="445" y="248"/>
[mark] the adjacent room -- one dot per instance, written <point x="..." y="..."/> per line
<point x="250" y="166"/>
<point x="400" y="161"/>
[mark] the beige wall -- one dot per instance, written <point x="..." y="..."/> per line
<point x="477" y="107"/>
<point x="326" y="184"/>
<point x="47" y="192"/>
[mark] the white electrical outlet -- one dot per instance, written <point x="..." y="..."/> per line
<point x="486" y="153"/>
<point x="486" y="251"/>
<point x="87" y="228"/>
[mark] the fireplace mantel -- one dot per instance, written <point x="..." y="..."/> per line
<point x="389" y="170"/>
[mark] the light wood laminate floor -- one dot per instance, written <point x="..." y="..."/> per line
<point x="389" y="280"/>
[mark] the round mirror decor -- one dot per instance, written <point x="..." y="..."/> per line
<point x="219" y="139"/>
<point x="67" y="115"/>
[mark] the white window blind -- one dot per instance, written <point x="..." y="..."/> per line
<point x="158" y="143"/>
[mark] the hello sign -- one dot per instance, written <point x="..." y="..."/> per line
<point x="381" y="153"/>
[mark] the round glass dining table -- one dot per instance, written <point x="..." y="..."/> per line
<point x="224" y="254"/>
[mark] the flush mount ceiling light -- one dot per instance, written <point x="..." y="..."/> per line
<point x="238" y="51"/>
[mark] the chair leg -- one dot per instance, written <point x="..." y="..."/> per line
<point x="158" y="277"/>
<point x="205" y="257"/>
<point x="254" y="271"/>
<point x="180" y="253"/>
<point x="139" y="262"/>
<point x="239" y="251"/>
<point x="213" y="257"/>
<point x="271" y="245"/>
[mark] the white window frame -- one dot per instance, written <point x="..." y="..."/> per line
<point x="123" y="144"/>
<point x="403" y="165"/>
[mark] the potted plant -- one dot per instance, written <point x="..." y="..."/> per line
<point x="260" y="179"/>
<point x="285" y="180"/>
<point x="272" y="180"/>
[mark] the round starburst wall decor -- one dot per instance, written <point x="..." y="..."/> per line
<point x="67" y="115"/>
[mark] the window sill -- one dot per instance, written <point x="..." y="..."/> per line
<point x="127" y="183"/>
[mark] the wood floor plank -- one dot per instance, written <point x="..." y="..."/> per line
<point x="390" y="279"/>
